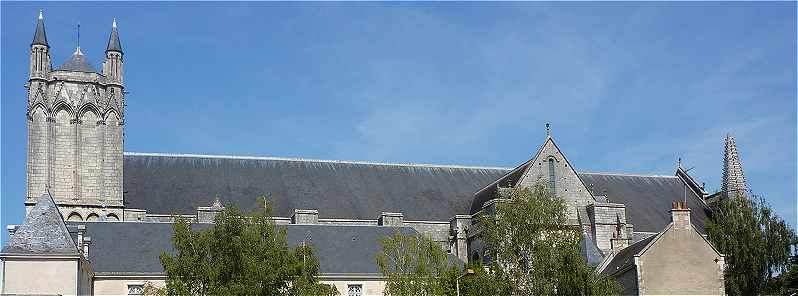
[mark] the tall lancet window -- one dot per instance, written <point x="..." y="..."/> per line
<point x="552" y="177"/>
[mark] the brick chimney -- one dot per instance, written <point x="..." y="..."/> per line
<point x="680" y="215"/>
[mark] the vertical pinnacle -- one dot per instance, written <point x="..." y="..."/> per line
<point x="114" y="23"/>
<point x="548" y="130"/>
<point x="733" y="178"/>
<point x="39" y="36"/>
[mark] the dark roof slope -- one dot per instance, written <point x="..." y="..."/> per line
<point x="490" y="192"/>
<point x="625" y="257"/>
<point x="135" y="247"/>
<point x="647" y="198"/>
<point x="42" y="233"/>
<point x="590" y="250"/>
<point x="165" y="184"/>
<point x="78" y="63"/>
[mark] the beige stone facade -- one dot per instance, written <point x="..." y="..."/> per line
<point x="75" y="131"/>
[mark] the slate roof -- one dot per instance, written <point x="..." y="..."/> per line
<point x="626" y="257"/>
<point x="40" y="36"/>
<point x="590" y="250"/>
<point x="42" y="233"/>
<point x="647" y="198"/>
<point x="113" y="40"/>
<point x="78" y="63"/>
<point x="165" y="184"/>
<point x="490" y="192"/>
<point x="134" y="247"/>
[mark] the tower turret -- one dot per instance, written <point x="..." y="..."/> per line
<point x="733" y="178"/>
<point x="75" y="131"/>
<point x="39" y="51"/>
<point x="112" y="67"/>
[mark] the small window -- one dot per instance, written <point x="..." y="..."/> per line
<point x="552" y="180"/>
<point x="355" y="290"/>
<point x="135" y="289"/>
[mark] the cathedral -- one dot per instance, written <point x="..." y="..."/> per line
<point x="98" y="217"/>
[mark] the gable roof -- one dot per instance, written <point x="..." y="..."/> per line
<point x="514" y="176"/>
<point x="134" y="247"/>
<point x="42" y="233"/>
<point x="166" y="184"/>
<point x="647" y="198"/>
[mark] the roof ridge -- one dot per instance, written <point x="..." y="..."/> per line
<point x="241" y="157"/>
<point x="627" y="174"/>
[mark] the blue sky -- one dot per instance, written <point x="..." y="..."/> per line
<point x="627" y="87"/>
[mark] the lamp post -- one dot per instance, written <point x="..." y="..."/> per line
<point x="468" y="271"/>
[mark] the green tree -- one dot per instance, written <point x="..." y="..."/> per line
<point x="531" y="247"/>
<point x="239" y="255"/>
<point x="757" y="243"/>
<point x="414" y="266"/>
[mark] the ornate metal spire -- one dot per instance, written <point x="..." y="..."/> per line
<point x="733" y="178"/>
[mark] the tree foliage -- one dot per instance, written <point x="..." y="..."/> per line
<point x="414" y="266"/>
<point x="531" y="247"/>
<point x="239" y="255"/>
<point x="757" y="244"/>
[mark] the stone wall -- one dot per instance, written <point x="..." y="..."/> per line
<point x="567" y="183"/>
<point x="41" y="276"/>
<point x="38" y="140"/>
<point x="681" y="262"/>
<point x="75" y="142"/>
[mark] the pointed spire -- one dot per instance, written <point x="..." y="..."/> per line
<point x="40" y="37"/>
<point x="733" y="178"/>
<point x="44" y="232"/>
<point x="113" y="40"/>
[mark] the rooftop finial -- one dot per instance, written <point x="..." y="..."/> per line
<point x="41" y="16"/>
<point x="77" y="51"/>
<point x="548" y="130"/>
<point x="679" y="162"/>
<point x="114" y="24"/>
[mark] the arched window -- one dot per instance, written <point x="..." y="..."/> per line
<point x="552" y="177"/>
<point x="92" y="217"/>
<point x="112" y="217"/>
<point x="74" y="217"/>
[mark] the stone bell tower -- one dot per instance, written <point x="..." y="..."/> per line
<point x="75" y="119"/>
